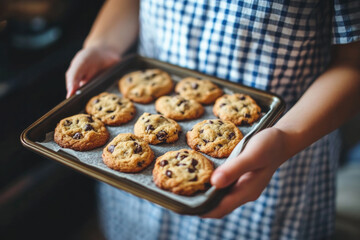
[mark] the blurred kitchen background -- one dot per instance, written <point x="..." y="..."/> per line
<point x="45" y="200"/>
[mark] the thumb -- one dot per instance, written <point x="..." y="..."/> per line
<point x="231" y="171"/>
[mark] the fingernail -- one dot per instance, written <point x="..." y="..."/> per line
<point x="218" y="179"/>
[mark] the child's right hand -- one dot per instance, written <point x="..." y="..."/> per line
<point x="87" y="63"/>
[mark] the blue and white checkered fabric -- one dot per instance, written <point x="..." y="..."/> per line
<point x="279" y="46"/>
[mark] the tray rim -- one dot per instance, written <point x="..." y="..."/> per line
<point x="130" y="186"/>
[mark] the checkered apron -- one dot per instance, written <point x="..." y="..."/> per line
<point x="277" y="46"/>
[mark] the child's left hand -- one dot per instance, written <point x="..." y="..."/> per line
<point x="251" y="170"/>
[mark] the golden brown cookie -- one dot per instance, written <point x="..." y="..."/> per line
<point x="111" y="109"/>
<point x="154" y="129"/>
<point x="237" y="108"/>
<point x="216" y="138"/>
<point x="179" y="108"/>
<point x="202" y="91"/>
<point x="81" y="132"/>
<point x="127" y="153"/>
<point x="145" y="86"/>
<point x="183" y="172"/>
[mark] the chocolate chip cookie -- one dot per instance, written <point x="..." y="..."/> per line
<point x="154" y="129"/>
<point x="111" y="109"/>
<point x="203" y="91"/>
<point x="81" y="132"/>
<point x="127" y="153"/>
<point x="237" y="108"/>
<point x="183" y="172"/>
<point x="216" y="138"/>
<point x="145" y="86"/>
<point x="179" y="108"/>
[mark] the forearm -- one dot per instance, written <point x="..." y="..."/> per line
<point x="116" y="26"/>
<point x="331" y="100"/>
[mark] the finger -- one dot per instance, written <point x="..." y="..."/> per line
<point x="248" y="188"/>
<point x="72" y="85"/>
<point x="230" y="171"/>
<point x="82" y="83"/>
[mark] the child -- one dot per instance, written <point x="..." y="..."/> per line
<point x="285" y="176"/>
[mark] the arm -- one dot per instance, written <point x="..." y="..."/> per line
<point x="114" y="31"/>
<point x="331" y="100"/>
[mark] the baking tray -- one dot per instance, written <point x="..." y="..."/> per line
<point x="36" y="136"/>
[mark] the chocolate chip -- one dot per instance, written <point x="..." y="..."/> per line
<point x="241" y="98"/>
<point x="111" y="148"/>
<point x="114" y="98"/>
<point x="231" y="135"/>
<point x="220" y="122"/>
<point x="100" y="108"/>
<point x="112" y="117"/>
<point x="77" y="121"/>
<point x="151" y="76"/>
<point x="194" y="85"/>
<point x="206" y="141"/>
<point x="132" y="114"/>
<point x="147" y="121"/>
<point x="181" y="157"/>
<point x="201" y="131"/>
<point x="77" y="135"/>
<point x="158" y="112"/>
<point x="163" y="163"/>
<point x="212" y="89"/>
<point x="182" y="112"/>
<point x="194" y="162"/>
<point x="119" y="103"/>
<point x="129" y="79"/>
<point x="220" y="145"/>
<point x="197" y="147"/>
<point x="247" y="115"/>
<point x="90" y="119"/>
<point x="191" y="170"/>
<point x="88" y="127"/>
<point x="168" y="173"/>
<point x="186" y="151"/>
<point x="132" y="139"/>
<point x="96" y="101"/>
<point x="161" y="135"/>
<point x="194" y="179"/>
<point x="138" y="148"/>
<point x="139" y="164"/>
<point x="153" y="84"/>
<point x="219" y="134"/>
<point x="149" y="127"/>
<point x="180" y="164"/>
<point x="235" y="109"/>
<point x="211" y="122"/>
<point x="181" y="102"/>
<point x="110" y="111"/>
<point x="223" y="104"/>
<point x="67" y="123"/>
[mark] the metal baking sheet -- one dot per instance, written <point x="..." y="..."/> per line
<point x="39" y="136"/>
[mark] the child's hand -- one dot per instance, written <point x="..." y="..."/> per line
<point x="251" y="170"/>
<point x="86" y="64"/>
